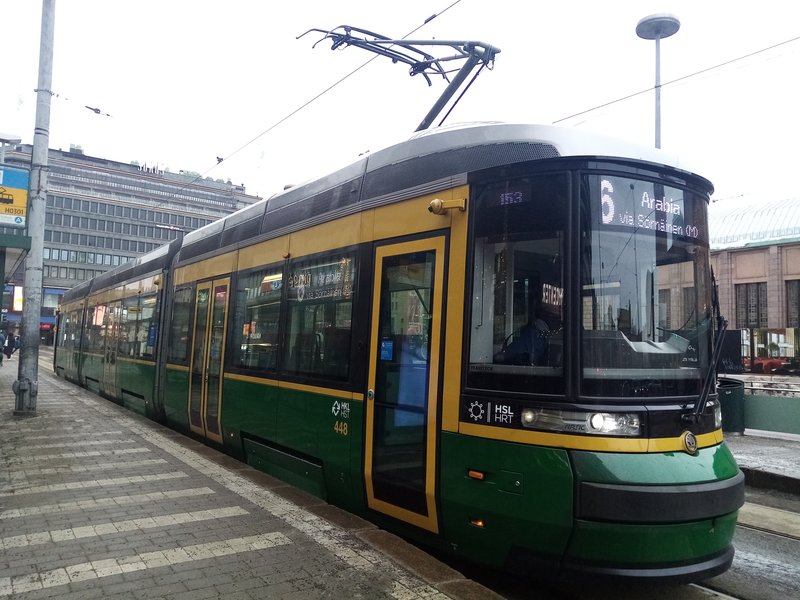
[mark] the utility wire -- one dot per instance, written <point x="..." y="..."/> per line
<point x="326" y="90"/>
<point x="221" y="159"/>
<point x="724" y="64"/>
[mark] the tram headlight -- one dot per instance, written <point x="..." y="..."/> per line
<point x="613" y="423"/>
<point x="528" y="416"/>
<point x="595" y="423"/>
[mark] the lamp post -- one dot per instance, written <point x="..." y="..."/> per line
<point x="7" y="140"/>
<point x="657" y="27"/>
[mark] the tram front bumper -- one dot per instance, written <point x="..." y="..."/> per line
<point x="654" y="516"/>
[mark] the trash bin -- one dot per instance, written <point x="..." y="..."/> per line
<point x="731" y="399"/>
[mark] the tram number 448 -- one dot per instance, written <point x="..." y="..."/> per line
<point x="340" y="427"/>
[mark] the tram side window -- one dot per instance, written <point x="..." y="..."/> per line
<point x="320" y="313"/>
<point x="516" y="340"/>
<point x="76" y="330"/>
<point x="138" y="326"/>
<point x="112" y="328"/>
<point x="257" y="318"/>
<point x="68" y="327"/>
<point x="95" y="327"/>
<point x="182" y="307"/>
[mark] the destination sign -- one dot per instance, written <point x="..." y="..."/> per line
<point x="647" y="206"/>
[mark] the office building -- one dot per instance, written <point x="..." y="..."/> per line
<point x="102" y="213"/>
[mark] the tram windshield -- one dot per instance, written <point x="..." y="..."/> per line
<point x="639" y="302"/>
<point x="645" y="288"/>
<point x="516" y="333"/>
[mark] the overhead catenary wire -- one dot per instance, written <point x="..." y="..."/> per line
<point x="311" y="100"/>
<point x="429" y="19"/>
<point x="683" y="78"/>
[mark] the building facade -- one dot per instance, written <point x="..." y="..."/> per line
<point x="755" y="254"/>
<point x="102" y="213"/>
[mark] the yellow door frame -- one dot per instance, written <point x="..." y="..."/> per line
<point x="437" y="244"/>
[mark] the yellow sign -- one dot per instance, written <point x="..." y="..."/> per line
<point x="13" y="196"/>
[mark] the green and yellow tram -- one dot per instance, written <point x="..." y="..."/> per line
<point x="493" y="338"/>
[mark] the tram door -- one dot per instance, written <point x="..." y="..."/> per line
<point x="112" y="322"/>
<point x="404" y="374"/>
<point x="205" y="374"/>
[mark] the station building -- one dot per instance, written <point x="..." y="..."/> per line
<point x="102" y="213"/>
<point x="755" y="254"/>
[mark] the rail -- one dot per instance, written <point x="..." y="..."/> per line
<point x="755" y="387"/>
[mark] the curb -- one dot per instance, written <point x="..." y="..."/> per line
<point x="770" y="481"/>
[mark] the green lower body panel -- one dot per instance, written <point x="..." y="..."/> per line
<point x="524" y="499"/>
<point x="135" y="383"/>
<point x="176" y="393"/>
<point x="293" y="470"/>
<point x="308" y="439"/>
<point x="558" y="512"/>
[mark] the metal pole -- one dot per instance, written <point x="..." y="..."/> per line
<point x="658" y="92"/>
<point x="656" y="27"/>
<point x="26" y="386"/>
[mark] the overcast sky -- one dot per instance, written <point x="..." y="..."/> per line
<point x="186" y="81"/>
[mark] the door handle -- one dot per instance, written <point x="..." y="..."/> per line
<point x="370" y="394"/>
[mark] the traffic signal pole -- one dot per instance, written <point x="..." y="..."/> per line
<point x="27" y="383"/>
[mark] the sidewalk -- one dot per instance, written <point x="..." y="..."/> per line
<point x="768" y="459"/>
<point x="97" y="502"/>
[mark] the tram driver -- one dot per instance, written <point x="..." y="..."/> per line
<point x="528" y="345"/>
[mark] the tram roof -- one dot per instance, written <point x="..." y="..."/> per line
<point x="429" y="160"/>
<point x="568" y="141"/>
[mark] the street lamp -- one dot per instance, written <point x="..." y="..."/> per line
<point x="6" y="139"/>
<point x="656" y="27"/>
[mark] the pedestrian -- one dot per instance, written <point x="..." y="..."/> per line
<point x="2" y="345"/>
<point x="9" y="345"/>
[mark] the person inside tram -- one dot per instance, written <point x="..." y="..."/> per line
<point x="529" y="344"/>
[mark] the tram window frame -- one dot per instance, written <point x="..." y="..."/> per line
<point x="316" y="328"/>
<point x="180" y="328"/>
<point x="267" y="360"/>
<point x="94" y="331"/>
<point x="494" y="361"/>
<point x="138" y="315"/>
<point x="68" y="320"/>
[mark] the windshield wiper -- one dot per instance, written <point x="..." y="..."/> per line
<point x="722" y="325"/>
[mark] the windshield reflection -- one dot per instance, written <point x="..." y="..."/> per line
<point x="645" y="290"/>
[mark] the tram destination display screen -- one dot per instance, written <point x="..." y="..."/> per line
<point x="621" y="203"/>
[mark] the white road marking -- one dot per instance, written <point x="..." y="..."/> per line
<point x="97" y="529"/>
<point x="92" y="504"/>
<point x="10" y="586"/>
<point x="80" y="485"/>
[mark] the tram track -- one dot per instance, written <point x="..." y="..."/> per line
<point x="766" y="519"/>
<point x="712" y="593"/>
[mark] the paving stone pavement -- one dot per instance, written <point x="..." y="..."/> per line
<point x="98" y="502"/>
